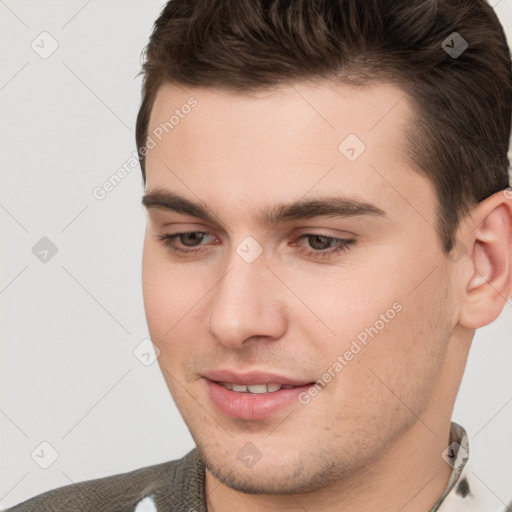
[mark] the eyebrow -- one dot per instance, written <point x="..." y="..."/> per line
<point x="324" y="206"/>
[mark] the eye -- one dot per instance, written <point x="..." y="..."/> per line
<point x="188" y="239"/>
<point x="320" y="245"/>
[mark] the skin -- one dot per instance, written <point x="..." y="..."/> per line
<point x="372" y="438"/>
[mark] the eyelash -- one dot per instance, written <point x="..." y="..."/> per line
<point x="344" y="245"/>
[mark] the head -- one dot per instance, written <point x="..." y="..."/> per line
<point x="390" y="138"/>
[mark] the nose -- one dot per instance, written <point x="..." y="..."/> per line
<point x="247" y="304"/>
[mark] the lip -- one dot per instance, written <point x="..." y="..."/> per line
<point x="251" y="378"/>
<point x="249" y="406"/>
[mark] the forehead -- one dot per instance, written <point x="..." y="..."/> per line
<point x="286" y="142"/>
<point x="309" y="111"/>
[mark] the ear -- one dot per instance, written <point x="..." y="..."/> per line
<point x="487" y="279"/>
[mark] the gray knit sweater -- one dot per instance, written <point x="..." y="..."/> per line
<point x="175" y="486"/>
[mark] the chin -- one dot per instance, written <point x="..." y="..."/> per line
<point x="274" y="475"/>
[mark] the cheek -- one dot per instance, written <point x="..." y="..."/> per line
<point x="404" y="361"/>
<point x="173" y="294"/>
<point x="162" y="305"/>
<point x="392" y="337"/>
<point x="168" y="292"/>
<point x="389" y="302"/>
<point x="389" y="381"/>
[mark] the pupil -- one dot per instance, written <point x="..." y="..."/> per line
<point x="194" y="236"/>
<point x="319" y="237"/>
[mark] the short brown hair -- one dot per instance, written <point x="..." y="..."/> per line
<point x="463" y="103"/>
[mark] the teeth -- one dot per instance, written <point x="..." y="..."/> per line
<point x="254" y="388"/>
<point x="257" y="388"/>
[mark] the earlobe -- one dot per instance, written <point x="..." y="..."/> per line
<point x="490" y="283"/>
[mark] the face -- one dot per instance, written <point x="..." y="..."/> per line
<point x="351" y="294"/>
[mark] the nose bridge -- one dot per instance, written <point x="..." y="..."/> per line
<point x="245" y="302"/>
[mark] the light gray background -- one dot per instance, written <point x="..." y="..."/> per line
<point x="69" y="326"/>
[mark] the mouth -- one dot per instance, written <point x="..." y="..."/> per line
<point x="256" y="389"/>
<point x="253" y="402"/>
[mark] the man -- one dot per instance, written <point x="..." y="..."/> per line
<point x="328" y="222"/>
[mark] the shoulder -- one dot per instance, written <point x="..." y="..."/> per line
<point x="173" y="485"/>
